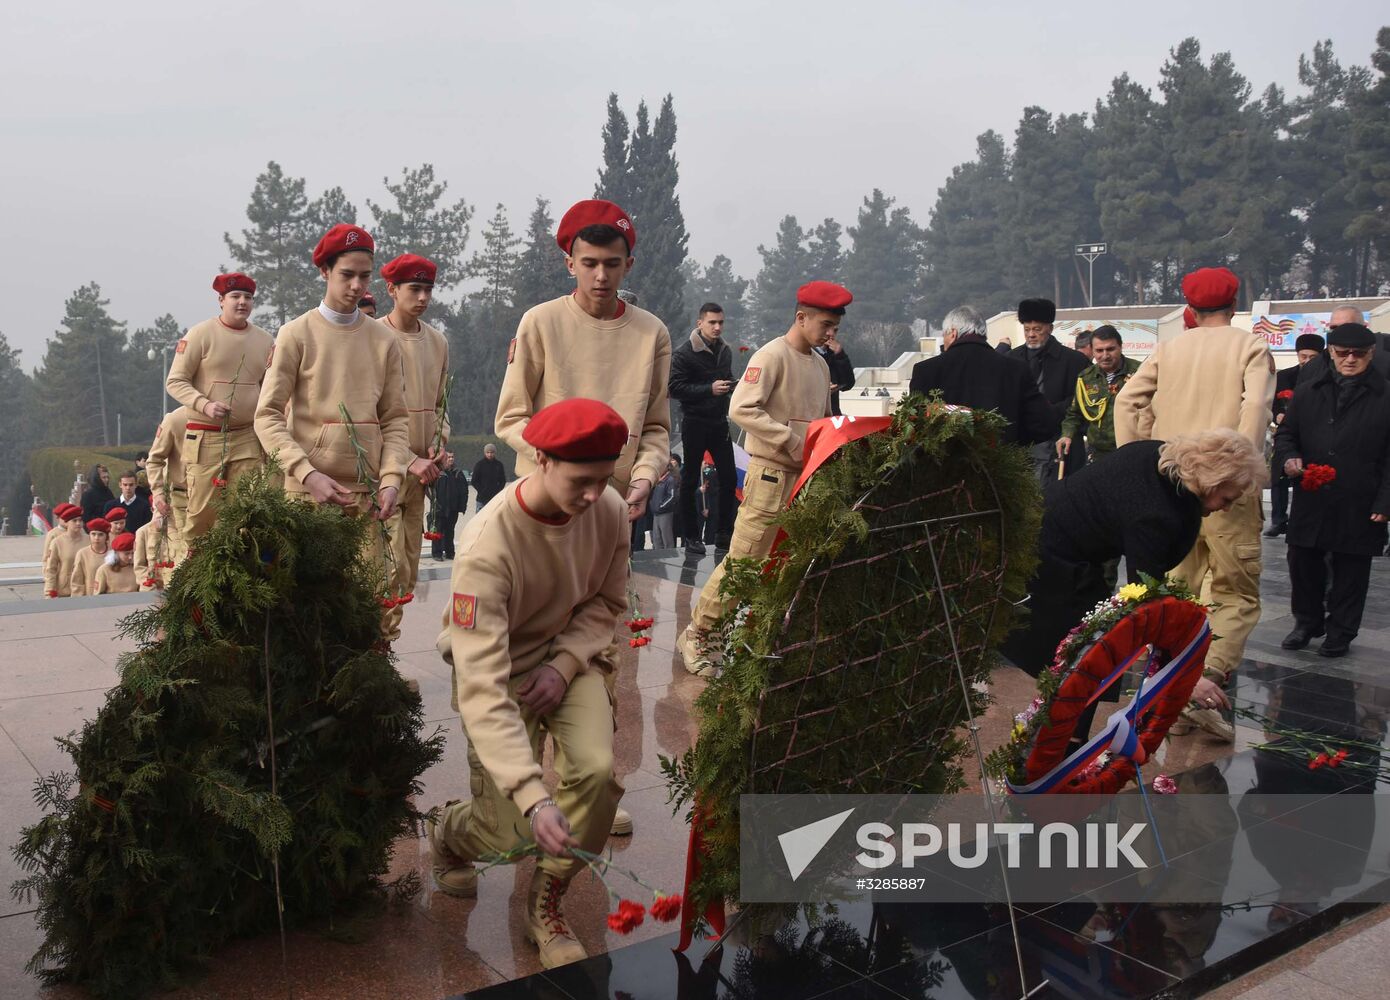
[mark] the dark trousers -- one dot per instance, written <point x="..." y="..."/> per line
<point x="1338" y="608"/>
<point x="696" y="439"/>
<point x="443" y="548"/>
<point x="1278" y="495"/>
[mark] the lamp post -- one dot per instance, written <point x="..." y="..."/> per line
<point x="1090" y="251"/>
<point x="163" y="391"/>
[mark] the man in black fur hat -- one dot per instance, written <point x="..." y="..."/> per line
<point x="1054" y="369"/>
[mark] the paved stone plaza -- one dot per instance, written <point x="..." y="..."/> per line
<point x="60" y="658"/>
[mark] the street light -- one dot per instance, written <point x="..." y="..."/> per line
<point x="1091" y="251"/>
<point x="163" y="392"/>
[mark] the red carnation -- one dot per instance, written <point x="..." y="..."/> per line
<point x="218" y="481"/>
<point x="629" y="915"/>
<point x="666" y="908"/>
<point x="743" y="348"/>
<point x="1315" y="477"/>
<point x="387" y="602"/>
<point x="1284" y="394"/>
<point x="1321" y="760"/>
<point x="1337" y="758"/>
<point x="406" y="598"/>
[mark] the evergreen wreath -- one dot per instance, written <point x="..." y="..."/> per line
<point x="259" y="748"/>
<point x="838" y="669"/>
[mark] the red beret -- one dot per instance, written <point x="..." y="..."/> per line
<point x="1210" y="288"/>
<point x="824" y="295"/>
<point x="99" y="524"/>
<point x="234" y="282"/>
<point x="124" y="542"/>
<point x="1189" y="318"/>
<point x="341" y="239"/>
<point x="594" y="212"/>
<point x="60" y="509"/>
<point x="578" y="430"/>
<point x="116" y="514"/>
<point x="70" y="511"/>
<point x="407" y="268"/>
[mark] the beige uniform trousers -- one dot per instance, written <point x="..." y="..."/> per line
<point x="178" y="504"/>
<point x="588" y="791"/>
<point x="205" y="457"/>
<point x="1223" y="568"/>
<point x="766" y="493"/>
<point x="406" y="527"/>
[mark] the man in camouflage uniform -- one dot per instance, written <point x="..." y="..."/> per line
<point x="1092" y="410"/>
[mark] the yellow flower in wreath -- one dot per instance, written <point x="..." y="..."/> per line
<point x="1133" y="592"/>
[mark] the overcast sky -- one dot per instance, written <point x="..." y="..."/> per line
<point x="132" y="133"/>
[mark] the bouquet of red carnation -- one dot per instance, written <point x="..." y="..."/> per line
<point x="1315" y="477"/>
<point x="1284" y="394"/>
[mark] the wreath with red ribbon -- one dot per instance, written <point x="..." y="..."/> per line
<point x="1158" y="624"/>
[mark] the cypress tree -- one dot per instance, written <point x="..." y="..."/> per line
<point x="540" y="270"/>
<point x="786" y="267"/>
<point x="82" y="371"/>
<point x="420" y="222"/>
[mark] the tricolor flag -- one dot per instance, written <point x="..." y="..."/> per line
<point x="38" y="524"/>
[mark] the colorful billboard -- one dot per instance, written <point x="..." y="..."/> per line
<point x="1281" y="331"/>
<point x="1140" y="336"/>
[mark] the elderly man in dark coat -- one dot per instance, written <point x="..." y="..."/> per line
<point x="971" y="373"/>
<point x="1340" y="419"/>
<point x="1054" y="368"/>
<point x="1308" y="347"/>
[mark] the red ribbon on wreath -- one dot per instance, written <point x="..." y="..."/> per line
<point x="1178" y="630"/>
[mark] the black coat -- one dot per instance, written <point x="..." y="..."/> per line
<point x="137" y="512"/>
<point x="1284" y="381"/>
<point x="1354" y="440"/>
<point x="1122" y="507"/>
<point x="693" y="374"/>
<point x="1061" y="367"/>
<point x="489" y="476"/>
<point x="94" y="500"/>
<point x="451" y="492"/>
<point x="841" y="374"/>
<point x="973" y="374"/>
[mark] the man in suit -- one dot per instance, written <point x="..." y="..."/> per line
<point x="970" y="373"/>
<point x="1054" y="369"/>
<point x="1308" y="346"/>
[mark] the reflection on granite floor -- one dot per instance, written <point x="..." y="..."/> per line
<point x="437" y="946"/>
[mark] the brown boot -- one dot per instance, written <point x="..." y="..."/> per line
<point x="546" y="925"/>
<point x="453" y="875"/>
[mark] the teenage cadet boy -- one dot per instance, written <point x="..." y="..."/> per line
<point x="217" y="372"/>
<point x="148" y="555"/>
<point x="118" y="577"/>
<point x="329" y="357"/>
<point x="593" y="344"/>
<point x="116" y="517"/>
<point x="62" y="554"/>
<point x="785" y="386"/>
<point x="538" y="587"/>
<point x="168" y="486"/>
<point x="58" y="528"/>
<point x="90" y="559"/>
<point x="425" y="357"/>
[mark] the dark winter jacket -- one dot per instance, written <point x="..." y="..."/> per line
<point x="1380" y="361"/>
<point x="1061" y="367"/>
<point x="137" y="512"/>
<point x="841" y="374"/>
<point x="695" y="367"/>
<point x="95" y="497"/>
<point x="489" y="476"/>
<point x="973" y="374"/>
<point x="1354" y="439"/>
<point x="451" y="492"/>
<point x="664" y="494"/>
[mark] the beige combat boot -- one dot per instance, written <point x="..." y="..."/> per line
<point x="546" y="926"/>
<point x="452" y="874"/>
<point x="697" y="651"/>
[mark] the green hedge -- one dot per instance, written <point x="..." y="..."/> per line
<point x="51" y="469"/>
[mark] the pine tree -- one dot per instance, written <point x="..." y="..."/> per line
<point x="18" y="430"/>
<point x="614" y="178"/>
<point x="81" y="374"/>
<point x="786" y="267"/>
<point x="1368" y="167"/>
<point x="964" y="242"/>
<point x="718" y="283"/>
<point x="259" y="749"/>
<point x="882" y="270"/>
<point x="418" y="223"/>
<point x="144" y="377"/>
<point x="827" y="254"/>
<point x="540" y="270"/>
<point x="276" y="250"/>
<point x="496" y="263"/>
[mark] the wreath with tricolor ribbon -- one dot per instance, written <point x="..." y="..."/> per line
<point x="1158" y="624"/>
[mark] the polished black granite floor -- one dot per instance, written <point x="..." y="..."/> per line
<point x="1288" y="875"/>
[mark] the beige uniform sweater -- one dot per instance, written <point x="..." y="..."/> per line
<point x="781" y="392"/>
<point x="59" y="563"/>
<point x="425" y="360"/>
<point x="83" y="581"/>
<point x="316" y="366"/>
<point x="146" y="555"/>
<point x="116" y="579"/>
<point x="165" y="461"/>
<point x="215" y="362"/>
<point x="561" y="352"/>
<point x="525" y="593"/>
<point x="48" y="538"/>
<point x="1203" y="379"/>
